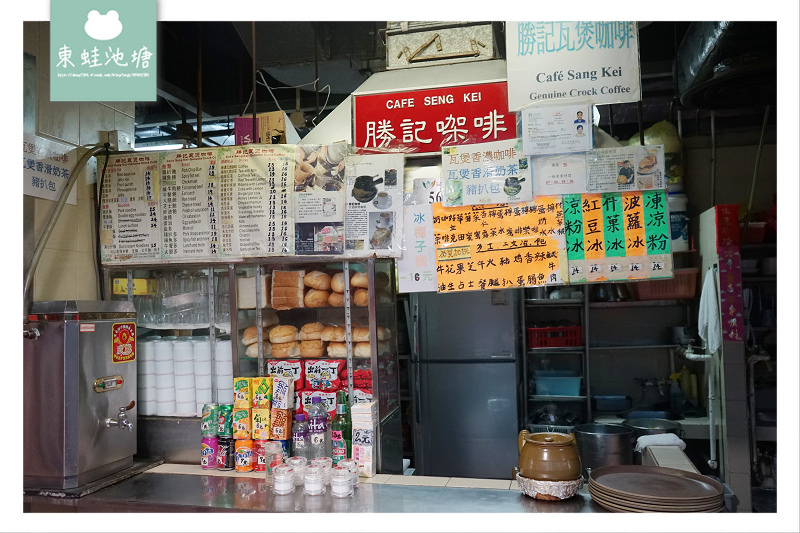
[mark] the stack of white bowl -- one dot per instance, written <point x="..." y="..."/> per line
<point x="165" y="377"/>
<point x="146" y="377"/>
<point x="202" y="372"/>
<point x="183" y="357"/>
<point x="223" y="361"/>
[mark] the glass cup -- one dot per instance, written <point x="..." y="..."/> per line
<point x="283" y="479"/>
<point x="341" y="482"/>
<point x="313" y="482"/>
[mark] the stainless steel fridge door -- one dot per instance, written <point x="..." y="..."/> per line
<point x="469" y="421"/>
<point x="475" y="325"/>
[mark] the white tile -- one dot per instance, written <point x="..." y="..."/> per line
<point x="377" y="479"/>
<point x="475" y="483"/>
<point x="94" y="118"/>
<point x="423" y="481"/>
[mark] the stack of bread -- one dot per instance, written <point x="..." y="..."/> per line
<point x="287" y="289"/>
<point x="269" y="319"/>
<point x="318" y="287"/>
<point x="284" y="341"/>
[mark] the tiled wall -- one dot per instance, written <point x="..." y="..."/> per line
<point x="66" y="269"/>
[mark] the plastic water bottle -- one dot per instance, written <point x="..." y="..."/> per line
<point x="317" y="429"/>
<point x="300" y="437"/>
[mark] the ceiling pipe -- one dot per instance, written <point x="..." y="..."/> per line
<point x="254" y="138"/>
<point x="199" y="84"/>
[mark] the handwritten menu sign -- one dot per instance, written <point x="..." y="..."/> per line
<point x="486" y="173"/>
<point x="189" y="184"/>
<point x="617" y="236"/>
<point x="254" y="204"/>
<point x="500" y="245"/>
<point x="130" y="225"/>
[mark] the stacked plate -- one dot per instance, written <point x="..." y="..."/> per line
<point x="644" y="489"/>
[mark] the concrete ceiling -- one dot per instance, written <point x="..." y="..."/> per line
<point x="205" y="77"/>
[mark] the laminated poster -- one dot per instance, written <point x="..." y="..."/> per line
<point x="255" y="208"/>
<point x="563" y="129"/>
<point x="500" y="246"/>
<point x="191" y="229"/>
<point x="559" y="174"/>
<point x="130" y="212"/>
<point x="374" y="205"/>
<point x="319" y="199"/>
<point x="488" y="173"/>
<point x="628" y="168"/>
<point x="617" y="236"/>
<point x="416" y="269"/>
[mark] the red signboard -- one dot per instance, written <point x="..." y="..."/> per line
<point x="426" y="120"/>
<point x="123" y="342"/>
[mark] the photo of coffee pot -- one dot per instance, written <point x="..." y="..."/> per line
<point x="513" y="185"/>
<point x="364" y="188"/>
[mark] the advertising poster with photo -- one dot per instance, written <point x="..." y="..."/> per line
<point x="617" y="236"/>
<point x="500" y="246"/>
<point x="563" y="129"/>
<point x="558" y="174"/>
<point x="374" y="205"/>
<point x="628" y="168"/>
<point x="319" y="199"/>
<point x="487" y="173"/>
<point x="130" y="211"/>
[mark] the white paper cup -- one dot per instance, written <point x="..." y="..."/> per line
<point x="147" y="351"/>
<point x="145" y="381"/>
<point x="202" y="349"/>
<point x="147" y="408"/>
<point x="163" y="350"/>
<point x="223" y="368"/>
<point x="202" y="381"/>
<point x="223" y="351"/>
<point x="184" y="368"/>
<point x="225" y="395"/>
<point x="165" y="381"/>
<point x="183" y="349"/>
<point x="147" y="394"/>
<point x="165" y="367"/>
<point x="184" y="381"/>
<point x="166" y="408"/>
<point x="145" y="367"/>
<point x="185" y="409"/>
<point x="202" y="396"/>
<point x="202" y="368"/>
<point x="165" y="394"/>
<point x="185" y="396"/>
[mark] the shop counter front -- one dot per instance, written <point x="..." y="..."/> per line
<point x="189" y="488"/>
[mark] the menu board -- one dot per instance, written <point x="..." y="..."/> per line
<point x="189" y="184"/>
<point x="255" y="208"/>
<point x="486" y="173"/>
<point x="617" y="236"/>
<point x="130" y="214"/>
<point x="500" y="246"/>
<point x="374" y="204"/>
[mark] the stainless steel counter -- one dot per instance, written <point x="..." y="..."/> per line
<point x="222" y="492"/>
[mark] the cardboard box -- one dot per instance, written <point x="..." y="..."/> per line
<point x="141" y="286"/>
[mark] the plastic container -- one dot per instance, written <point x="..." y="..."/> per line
<point x="341" y="482"/>
<point x="682" y="286"/>
<point x="558" y="386"/>
<point x="283" y="479"/>
<point x="317" y="429"/>
<point x="555" y="337"/>
<point x="313" y="483"/>
<point x="300" y="437"/>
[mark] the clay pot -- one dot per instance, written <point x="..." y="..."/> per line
<point x="548" y="456"/>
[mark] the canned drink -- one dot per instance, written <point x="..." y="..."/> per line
<point x="225" y="420"/>
<point x="261" y="421"/>
<point x="208" y="453"/>
<point x="286" y="448"/>
<point x="242" y="423"/>
<point x="262" y="392"/>
<point x="208" y="420"/>
<point x="244" y="455"/>
<point x="226" y="455"/>
<point x="260" y="454"/>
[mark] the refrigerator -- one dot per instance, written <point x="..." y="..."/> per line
<point x="465" y="364"/>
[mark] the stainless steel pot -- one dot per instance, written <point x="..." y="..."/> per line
<point x="604" y="445"/>
<point x="652" y="426"/>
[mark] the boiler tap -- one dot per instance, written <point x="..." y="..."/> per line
<point x="122" y="418"/>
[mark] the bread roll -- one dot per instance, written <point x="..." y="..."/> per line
<point x="311" y="331"/>
<point x="362" y="350"/>
<point x="312" y="348"/>
<point x="338" y="334"/>
<point x="361" y="297"/>
<point x="336" y="299"/>
<point x="269" y="317"/>
<point x="360" y="334"/>
<point x="337" y="282"/>
<point x="359" y="279"/>
<point x="252" y="350"/>
<point x="250" y="335"/>
<point x="283" y="333"/>
<point x="384" y="333"/>
<point x="327" y="333"/>
<point x="316" y="298"/>
<point x="337" y="349"/>
<point x="317" y="280"/>
<point x="282" y="350"/>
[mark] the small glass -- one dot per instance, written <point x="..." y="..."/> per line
<point x="298" y="465"/>
<point x="352" y="466"/>
<point x="341" y="482"/>
<point x="283" y="479"/>
<point x="327" y="467"/>
<point x="313" y="482"/>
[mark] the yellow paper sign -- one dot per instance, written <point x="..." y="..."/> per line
<point x="500" y="246"/>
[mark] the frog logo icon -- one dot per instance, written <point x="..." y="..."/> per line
<point x="102" y="27"/>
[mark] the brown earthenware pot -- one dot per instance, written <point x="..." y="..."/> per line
<point x="548" y="456"/>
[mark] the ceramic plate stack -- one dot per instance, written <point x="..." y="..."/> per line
<point x="643" y="489"/>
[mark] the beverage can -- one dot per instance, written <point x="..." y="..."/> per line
<point x="225" y="420"/>
<point x="286" y="448"/>
<point x="242" y="423"/>
<point x="226" y="455"/>
<point x="208" y="453"/>
<point x="208" y="420"/>
<point x="244" y="455"/>
<point x="260" y="454"/>
<point x="261" y="424"/>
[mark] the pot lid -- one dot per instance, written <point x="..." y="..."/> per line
<point x="651" y="423"/>
<point x="551" y="439"/>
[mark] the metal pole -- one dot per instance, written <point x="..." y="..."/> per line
<point x="255" y="100"/>
<point x="755" y="170"/>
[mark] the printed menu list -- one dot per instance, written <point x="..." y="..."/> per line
<point x="189" y="204"/>
<point x="130" y="226"/>
<point x="254" y="205"/>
